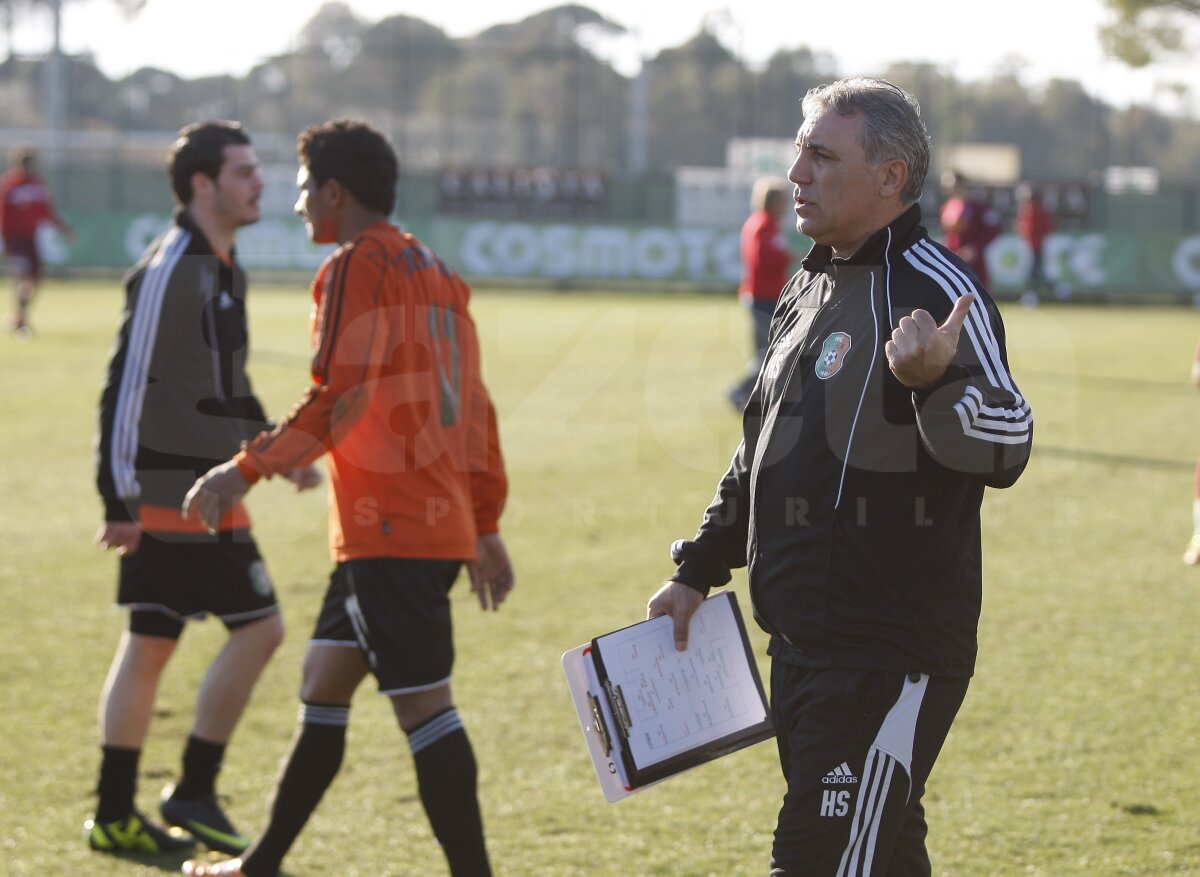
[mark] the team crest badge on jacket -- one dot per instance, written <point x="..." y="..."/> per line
<point x="833" y="353"/>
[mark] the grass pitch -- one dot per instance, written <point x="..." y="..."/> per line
<point x="1074" y="754"/>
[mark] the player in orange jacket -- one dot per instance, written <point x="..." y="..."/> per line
<point x="399" y="409"/>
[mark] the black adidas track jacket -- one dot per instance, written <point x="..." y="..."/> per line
<point x="855" y="501"/>
<point x="176" y="399"/>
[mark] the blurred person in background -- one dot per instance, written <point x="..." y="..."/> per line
<point x="25" y="205"/>
<point x="766" y="261"/>
<point x="969" y="224"/>
<point x="1191" y="556"/>
<point x="1034" y="224"/>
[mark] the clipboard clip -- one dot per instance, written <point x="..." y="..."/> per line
<point x="598" y="722"/>
<point x="616" y="702"/>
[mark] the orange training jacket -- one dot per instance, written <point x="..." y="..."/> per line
<point x="397" y="402"/>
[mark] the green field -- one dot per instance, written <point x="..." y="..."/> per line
<point x="1076" y="752"/>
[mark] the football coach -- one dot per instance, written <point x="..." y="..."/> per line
<point x="883" y="409"/>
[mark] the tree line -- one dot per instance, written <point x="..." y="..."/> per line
<point x="539" y="91"/>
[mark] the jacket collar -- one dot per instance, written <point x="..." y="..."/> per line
<point x="902" y="229"/>
<point x="184" y="220"/>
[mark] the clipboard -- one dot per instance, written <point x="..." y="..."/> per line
<point x="649" y="712"/>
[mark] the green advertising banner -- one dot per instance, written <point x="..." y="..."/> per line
<point x="589" y="251"/>
<point x="594" y="252"/>
<point x="117" y="240"/>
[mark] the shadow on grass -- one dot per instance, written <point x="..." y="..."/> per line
<point x="1140" y="809"/>
<point x="1128" y="460"/>
<point x="1170" y="387"/>
<point x="172" y="863"/>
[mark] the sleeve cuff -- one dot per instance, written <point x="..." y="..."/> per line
<point x="487" y="518"/>
<point x="954" y="374"/>
<point x="121" y="510"/>
<point x="694" y="571"/>
<point x="247" y="469"/>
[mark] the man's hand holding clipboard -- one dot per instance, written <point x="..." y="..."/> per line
<point x="680" y="602"/>
<point x="664" y="695"/>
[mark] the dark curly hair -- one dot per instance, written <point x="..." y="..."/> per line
<point x="354" y="154"/>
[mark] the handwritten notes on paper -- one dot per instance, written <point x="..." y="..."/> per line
<point x="680" y="700"/>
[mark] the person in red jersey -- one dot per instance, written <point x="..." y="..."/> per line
<point x="969" y="225"/>
<point x="25" y="205"/>
<point x="765" y="263"/>
<point x="399" y="409"/>
<point x="1034" y="224"/>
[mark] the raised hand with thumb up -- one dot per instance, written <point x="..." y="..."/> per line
<point x="920" y="350"/>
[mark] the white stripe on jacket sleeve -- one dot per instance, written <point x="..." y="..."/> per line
<point x="143" y="331"/>
<point x="995" y="423"/>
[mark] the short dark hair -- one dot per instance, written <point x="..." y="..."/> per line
<point x="354" y="154"/>
<point x="200" y="148"/>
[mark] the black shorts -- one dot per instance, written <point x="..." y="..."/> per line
<point x="173" y="579"/>
<point x="396" y="611"/>
<point x="856" y="747"/>
<point x="23" y="257"/>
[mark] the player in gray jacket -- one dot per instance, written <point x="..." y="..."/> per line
<point x="177" y="401"/>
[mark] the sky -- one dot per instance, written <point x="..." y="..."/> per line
<point x="1040" y="39"/>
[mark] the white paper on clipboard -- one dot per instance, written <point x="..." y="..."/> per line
<point x="658" y="711"/>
